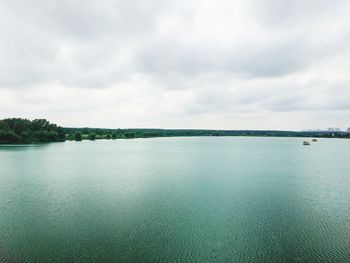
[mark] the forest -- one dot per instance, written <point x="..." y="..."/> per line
<point x="17" y="131"/>
<point x="100" y="133"/>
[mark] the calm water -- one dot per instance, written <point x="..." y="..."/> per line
<point x="233" y="199"/>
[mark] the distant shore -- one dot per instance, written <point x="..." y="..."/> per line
<point x="23" y="131"/>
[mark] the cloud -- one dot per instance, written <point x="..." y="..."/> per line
<point x="152" y="63"/>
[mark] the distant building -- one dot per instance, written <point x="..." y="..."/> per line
<point x="330" y="129"/>
<point x="348" y="129"/>
<point x="334" y="129"/>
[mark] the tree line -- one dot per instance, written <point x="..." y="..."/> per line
<point x="17" y="130"/>
<point x="100" y="133"/>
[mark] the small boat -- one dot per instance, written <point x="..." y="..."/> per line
<point x="306" y="143"/>
<point x="314" y="140"/>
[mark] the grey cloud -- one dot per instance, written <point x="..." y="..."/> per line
<point x="97" y="33"/>
<point x="273" y="56"/>
<point x="253" y="60"/>
<point x="110" y="40"/>
<point x="287" y="14"/>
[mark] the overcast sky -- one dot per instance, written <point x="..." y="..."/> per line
<point x="223" y="64"/>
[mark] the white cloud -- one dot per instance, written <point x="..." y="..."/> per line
<point x="186" y="64"/>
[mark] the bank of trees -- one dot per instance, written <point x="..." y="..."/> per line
<point x="96" y="133"/>
<point x="16" y="130"/>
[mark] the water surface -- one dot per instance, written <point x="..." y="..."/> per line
<point x="226" y="199"/>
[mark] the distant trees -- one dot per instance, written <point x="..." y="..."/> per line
<point x="17" y="130"/>
<point x="25" y="136"/>
<point x="9" y="137"/>
<point x="130" y="135"/>
<point x="70" y="136"/>
<point x="92" y="136"/>
<point x="78" y="136"/>
<point x="149" y="133"/>
<point x="52" y="135"/>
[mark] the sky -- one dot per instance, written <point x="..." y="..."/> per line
<point x="243" y="64"/>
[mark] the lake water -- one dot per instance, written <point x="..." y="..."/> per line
<point x="206" y="199"/>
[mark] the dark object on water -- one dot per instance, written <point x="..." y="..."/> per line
<point x="314" y="140"/>
<point x="306" y="143"/>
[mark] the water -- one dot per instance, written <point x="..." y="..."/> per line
<point x="231" y="199"/>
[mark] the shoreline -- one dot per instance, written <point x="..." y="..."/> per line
<point x="175" y="136"/>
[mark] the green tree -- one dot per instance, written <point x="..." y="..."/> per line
<point x="92" y="136"/>
<point x="25" y="137"/>
<point x="41" y="136"/>
<point x="70" y="136"/>
<point x="52" y="135"/>
<point x="130" y="135"/>
<point x="78" y="136"/>
<point x="9" y="137"/>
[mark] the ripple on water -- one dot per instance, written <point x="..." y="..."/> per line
<point x="176" y="200"/>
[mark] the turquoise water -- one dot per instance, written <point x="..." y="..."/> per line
<point x="229" y="199"/>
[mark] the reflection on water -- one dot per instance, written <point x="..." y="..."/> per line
<point x="176" y="200"/>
